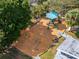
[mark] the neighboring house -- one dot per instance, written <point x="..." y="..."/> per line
<point x="69" y="49"/>
<point x="35" y="41"/>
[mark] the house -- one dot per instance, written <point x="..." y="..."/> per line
<point x="35" y="41"/>
<point x="69" y="49"/>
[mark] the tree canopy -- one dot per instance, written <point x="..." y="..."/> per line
<point x="14" y="17"/>
<point x="73" y="17"/>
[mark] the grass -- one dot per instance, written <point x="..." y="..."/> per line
<point x="47" y="55"/>
<point x="50" y="54"/>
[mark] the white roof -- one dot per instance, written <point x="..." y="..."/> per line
<point x="70" y="46"/>
<point x="62" y="55"/>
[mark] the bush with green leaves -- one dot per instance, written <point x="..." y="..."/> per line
<point x="13" y="18"/>
<point x="40" y="8"/>
<point x="77" y="33"/>
<point x="73" y="13"/>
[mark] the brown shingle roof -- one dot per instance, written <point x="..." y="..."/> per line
<point x="35" y="41"/>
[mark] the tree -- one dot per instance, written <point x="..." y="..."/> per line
<point x="40" y="8"/>
<point x="77" y="33"/>
<point x="73" y="20"/>
<point x="73" y="17"/>
<point x="13" y="18"/>
<point x="61" y="6"/>
<point x="41" y="1"/>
